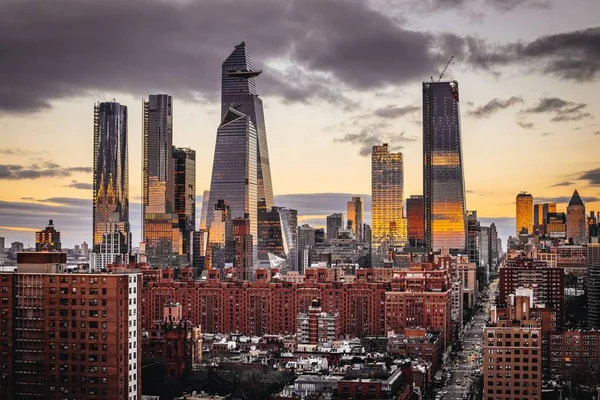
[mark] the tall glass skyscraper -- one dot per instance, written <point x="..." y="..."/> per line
<point x="387" y="211"/>
<point x="356" y="212"/>
<point x="238" y="91"/>
<point x="241" y="172"/>
<point x="185" y="194"/>
<point x="524" y="212"/>
<point x="111" y="174"/>
<point x="160" y="221"/>
<point x="443" y="180"/>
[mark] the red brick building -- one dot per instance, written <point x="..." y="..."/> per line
<point x="68" y="335"/>
<point x="548" y="284"/>
<point x="575" y="356"/>
<point x="417" y="343"/>
<point x="270" y="306"/>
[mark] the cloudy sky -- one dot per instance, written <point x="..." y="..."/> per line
<point x="339" y="76"/>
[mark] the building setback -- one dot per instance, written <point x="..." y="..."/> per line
<point x="160" y="221"/>
<point x="512" y="352"/>
<point x="547" y="283"/>
<point x="69" y="335"/>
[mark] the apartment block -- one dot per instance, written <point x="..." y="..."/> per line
<point x="512" y="352"/>
<point x="68" y="335"/>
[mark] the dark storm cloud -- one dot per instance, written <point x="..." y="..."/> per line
<point x="394" y="111"/>
<point x="80" y="185"/>
<point x="65" y="48"/>
<point x="43" y="169"/>
<point x="563" y="183"/>
<point x="367" y="138"/>
<point x="563" y="110"/>
<point x="502" y="5"/>
<point x="493" y="106"/>
<point x="571" y="56"/>
<point x="593" y="176"/>
<point x="525" y="125"/>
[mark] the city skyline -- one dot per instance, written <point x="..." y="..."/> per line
<point x="533" y="114"/>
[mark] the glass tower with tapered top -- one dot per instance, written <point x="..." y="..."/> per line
<point x="238" y="91"/>
<point x="241" y="173"/>
<point x="443" y="179"/>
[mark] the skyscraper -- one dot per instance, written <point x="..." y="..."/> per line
<point x="47" y="239"/>
<point x="111" y="173"/>
<point x="524" y="203"/>
<point x="289" y="232"/>
<point x="356" y="212"/>
<point x="204" y="211"/>
<point x="473" y="237"/>
<point x="593" y="284"/>
<point x="576" y="220"/>
<point x="241" y="171"/>
<point x="387" y="211"/>
<point x="414" y="217"/>
<point x="335" y="223"/>
<point x="443" y="179"/>
<point x="160" y="222"/>
<point x="185" y="194"/>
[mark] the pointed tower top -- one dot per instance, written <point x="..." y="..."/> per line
<point x="576" y="200"/>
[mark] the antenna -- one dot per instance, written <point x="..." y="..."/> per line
<point x="445" y="68"/>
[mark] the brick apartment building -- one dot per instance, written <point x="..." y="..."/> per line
<point x="575" y="356"/>
<point x="512" y="352"/>
<point x="548" y="284"/>
<point x="378" y="300"/>
<point x="417" y="343"/>
<point x="68" y="335"/>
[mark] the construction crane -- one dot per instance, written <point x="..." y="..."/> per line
<point x="445" y="68"/>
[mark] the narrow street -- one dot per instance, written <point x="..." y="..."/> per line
<point x="462" y="371"/>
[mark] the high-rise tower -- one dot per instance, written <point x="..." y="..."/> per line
<point x="238" y="91"/>
<point x="524" y="204"/>
<point x="387" y="213"/>
<point x="576" y="220"/>
<point x="185" y="193"/>
<point x="414" y="218"/>
<point x="160" y="222"/>
<point x="241" y="173"/>
<point x="443" y="179"/>
<point x="111" y="173"/>
<point x="356" y="212"/>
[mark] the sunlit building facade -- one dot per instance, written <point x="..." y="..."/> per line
<point x="416" y="224"/>
<point x="185" y="194"/>
<point x="160" y="222"/>
<point x="524" y="212"/>
<point x="387" y="211"/>
<point x="47" y="239"/>
<point x="540" y="215"/>
<point x="356" y="212"/>
<point x="443" y="179"/>
<point x="576" y="220"/>
<point x="111" y="172"/>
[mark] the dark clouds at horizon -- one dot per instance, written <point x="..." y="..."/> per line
<point x="73" y="216"/>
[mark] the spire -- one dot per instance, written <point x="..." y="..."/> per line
<point x="576" y="200"/>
